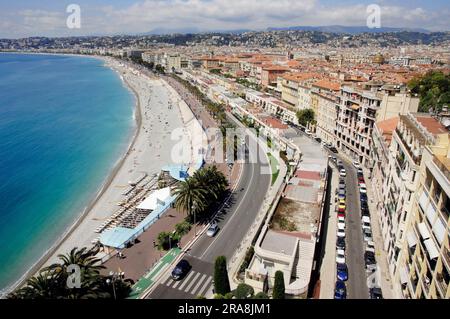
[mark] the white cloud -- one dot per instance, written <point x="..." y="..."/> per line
<point x="204" y="15"/>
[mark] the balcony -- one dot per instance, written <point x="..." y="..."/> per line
<point x="442" y="167"/>
<point x="441" y="285"/>
<point x="416" y="159"/>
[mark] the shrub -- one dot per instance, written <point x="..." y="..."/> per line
<point x="244" y="291"/>
<point x="278" y="287"/>
<point x="247" y="259"/>
<point x="183" y="228"/>
<point x="221" y="282"/>
<point x="261" y="295"/>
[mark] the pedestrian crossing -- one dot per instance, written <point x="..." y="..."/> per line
<point x="195" y="283"/>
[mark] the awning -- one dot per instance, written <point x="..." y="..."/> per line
<point x="424" y="231"/>
<point x="431" y="248"/>
<point x="411" y="238"/>
<point x="403" y="272"/>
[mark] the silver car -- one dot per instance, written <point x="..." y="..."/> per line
<point x="212" y="230"/>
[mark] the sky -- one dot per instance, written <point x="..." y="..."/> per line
<point x="25" y="18"/>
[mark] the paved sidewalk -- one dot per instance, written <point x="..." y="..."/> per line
<point x="148" y="279"/>
<point x="328" y="269"/>
<point x="383" y="268"/>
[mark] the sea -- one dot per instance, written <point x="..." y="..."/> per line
<point x="65" y="121"/>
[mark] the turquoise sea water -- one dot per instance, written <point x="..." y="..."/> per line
<point x="64" y="123"/>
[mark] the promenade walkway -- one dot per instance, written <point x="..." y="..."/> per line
<point x="143" y="262"/>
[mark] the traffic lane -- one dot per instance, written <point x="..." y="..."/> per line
<point x="357" y="281"/>
<point x="222" y="218"/>
<point x="231" y="236"/>
<point x="239" y="217"/>
<point x="198" y="281"/>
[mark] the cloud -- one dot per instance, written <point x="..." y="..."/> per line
<point x="207" y="15"/>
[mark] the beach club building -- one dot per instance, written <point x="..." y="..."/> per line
<point x="148" y="211"/>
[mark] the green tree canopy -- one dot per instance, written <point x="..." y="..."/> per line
<point x="305" y="117"/>
<point x="221" y="282"/>
<point x="433" y="89"/>
<point x="278" y="287"/>
<point x="244" y="291"/>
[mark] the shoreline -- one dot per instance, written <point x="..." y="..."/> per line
<point x="103" y="187"/>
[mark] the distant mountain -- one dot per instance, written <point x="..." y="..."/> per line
<point x="164" y="31"/>
<point x="347" y="29"/>
<point x="193" y="30"/>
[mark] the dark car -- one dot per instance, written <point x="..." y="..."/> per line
<point x="364" y="205"/>
<point x="375" y="293"/>
<point x="181" y="269"/>
<point x="369" y="258"/>
<point x="333" y="149"/>
<point x="340" y="243"/>
<point x="341" y="272"/>
<point x="340" y="291"/>
<point x="365" y="212"/>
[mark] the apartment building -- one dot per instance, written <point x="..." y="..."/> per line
<point x="270" y="74"/>
<point x="424" y="262"/>
<point x="296" y="88"/>
<point x="399" y="147"/>
<point x="323" y="102"/>
<point x="358" y="109"/>
<point x="272" y="105"/>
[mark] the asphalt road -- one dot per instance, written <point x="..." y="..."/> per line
<point x="357" y="278"/>
<point x="234" y="222"/>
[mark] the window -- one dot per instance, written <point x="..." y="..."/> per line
<point x="414" y="176"/>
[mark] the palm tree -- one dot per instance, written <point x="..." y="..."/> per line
<point x="43" y="286"/>
<point x="189" y="192"/>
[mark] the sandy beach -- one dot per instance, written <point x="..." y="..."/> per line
<point x="159" y="111"/>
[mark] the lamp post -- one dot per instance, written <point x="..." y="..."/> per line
<point x="114" y="276"/>
<point x="194" y="208"/>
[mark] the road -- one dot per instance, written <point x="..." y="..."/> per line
<point x="234" y="222"/>
<point x="357" y="278"/>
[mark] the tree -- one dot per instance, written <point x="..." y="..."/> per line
<point x="261" y="295"/>
<point x="187" y="193"/>
<point x="433" y="89"/>
<point x="221" y="282"/>
<point x="244" y="291"/>
<point x="278" y="286"/>
<point x="305" y="117"/>
<point x="51" y="282"/>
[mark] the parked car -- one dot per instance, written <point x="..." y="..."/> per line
<point x="365" y="211"/>
<point x="369" y="258"/>
<point x="342" y="173"/>
<point x="356" y="164"/>
<point x="341" y="196"/>
<point x="375" y="293"/>
<point x="339" y="162"/>
<point x="340" y="290"/>
<point x="342" y="202"/>
<point x="340" y="256"/>
<point x="365" y="222"/>
<point x="342" y="272"/>
<point x="212" y="230"/>
<point x="333" y="149"/>
<point x="181" y="269"/>
<point x="341" y="208"/>
<point x="361" y="179"/>
<point x="341" y="214"/>
<point x="340" y="243"/>
<point x="367" y="235"/>
<point x="359" y="172"/>
<point x="340" y="233"/>
<point x="341" y="224"/>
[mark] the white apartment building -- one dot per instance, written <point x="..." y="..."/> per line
<point x="358" y="110"/>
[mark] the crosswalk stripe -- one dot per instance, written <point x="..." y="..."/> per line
<point x="204" y="289"/>
<point x="198" y="284"/>
<point x="177" y="283"/>
<point x="185" y="281"/>
<point x="168" y="281"/>
<point x="192" y="282"/>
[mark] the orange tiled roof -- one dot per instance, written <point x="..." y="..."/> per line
<point x="432" y="125"/>
<point x="387" y="128"/>
<point x="326" y="84"/>
<point x="298" y="76"/>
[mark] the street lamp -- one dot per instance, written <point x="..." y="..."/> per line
<point x="114" y="277"/>
<point x="194" y="208"/>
